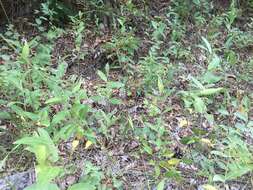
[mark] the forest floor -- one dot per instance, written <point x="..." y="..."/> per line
<point x="163" y="100"/>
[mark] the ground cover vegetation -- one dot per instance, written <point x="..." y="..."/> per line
<point x="128" y="94"/>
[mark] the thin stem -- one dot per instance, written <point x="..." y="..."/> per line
<point x="1" y="3"/>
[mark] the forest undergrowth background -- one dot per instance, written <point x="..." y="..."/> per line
<point x="127" y="94"/>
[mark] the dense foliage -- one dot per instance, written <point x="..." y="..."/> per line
<point x="104" y="94"/>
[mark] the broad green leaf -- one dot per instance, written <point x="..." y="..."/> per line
<point x="82" y="186"/>
<point x="115" y="85"/>
<point x="25" y="51"/>
<point x="219" y="153"/>
<point x="160" y="85"/>
<point x="219" y="178"/>
<point x="214" y="64"/>
<point x="147" y="148"/>
<point x="196" y="82"/>
<point x="44" y="119"/>
<point x="30" y="141"/>
<point x="60" y="116"/>
<point x="65" y="132"/>
<point x="41" y="138"/>
<point x="173" y="173"/>
<point x="207" y="45"/>
<point x="77" y="86"/>
<point x="242" y="116"/>
<point x="161" y="185"/>
<point x="55" y="100"/>
<point x="52" y="148"/>
<point x="209" y="91"/>
<point x="4" y="115"/>
<point x="211" y="78"/>
<point x="80" y="111"/>
<point x="189" y="140"/>
<point x="199" y="105"/>
<point x="41" y="154"/>
<point x="14" y="79"/>
<point x="238" y="169"/>
<point x="24" y="114"/>
<point x="102" y="75"/>
<point x="61" y="69"/>
<point x="48" y="186"/>
<point x="115" y="101"/>
<point x="46" y="173"/>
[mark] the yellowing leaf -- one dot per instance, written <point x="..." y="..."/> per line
<point x="173" y="162"/>
<point x="75" y="143"/>
<point x="168" y="154"/>
<point x="88" y="144"/>
<point x="209" y="187"/>
<point x="207" y="142"/>
<point x="241" y="109"/>
<point x="183" y="123"/>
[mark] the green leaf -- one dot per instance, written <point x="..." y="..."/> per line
<point x="19" y="111"/>
<point x="25" y="51"/>
<point x="14" y="79"/>
<point x="115" y="101"/>
<point x="107" y="69"/>
<point x="173" y="173"/>
<point x="199" y="105"/>
<point x="61" y="70"/>
<point x="196" y="82"/>
<point x="173" y="162"/>
<point x="208" y="92"/>
<point x="219" y="153"/>
<point x="2" y="163"/>
<point x="214" y="64"/>
<point x="41" y="154"/>
<point x="189" y="140"/>
<point x="82" y="186"/>
<point x="52" y="148"/>
<point x="39" y="139"/>
<point x="102" y="75"/>
<point x="65" y="132"/>
<point x="219" y="178"/>
<point x="4" y="115"/>
<point x="48" y="186"/>
<point x="46" y="173"/>
<point x="161" y="185"/>
<point x="115" y="85"/>
<point x="207" y="45"/>
<point x="60" y="116"/>
<point x="44" y="118"/>
<point x="210" y="78"/>
<point x="147" y="148"/>
<point x="160" y="85"/>
<point x="54" y="100"/>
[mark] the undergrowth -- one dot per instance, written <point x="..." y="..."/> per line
<point x="171" y="106"/>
